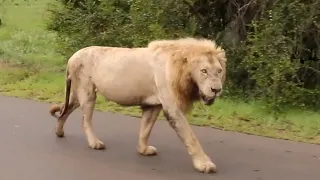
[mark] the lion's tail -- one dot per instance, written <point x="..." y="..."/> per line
<point x="63" y="109"/>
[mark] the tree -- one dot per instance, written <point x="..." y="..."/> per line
<point x="273" y="47"/>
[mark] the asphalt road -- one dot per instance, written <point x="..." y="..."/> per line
<point x="29" y="150"/>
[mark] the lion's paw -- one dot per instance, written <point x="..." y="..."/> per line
<point x="60" y="133"/>
<point x="96" y="144"/>
<point x="148" y="151"/>
<point x="205" y="165"/>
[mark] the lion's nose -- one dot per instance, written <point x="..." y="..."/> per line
<point x="216" y="90"/>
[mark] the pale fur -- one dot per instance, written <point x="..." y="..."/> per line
<point x="179" y="50"/>
<point x="156" y="78"/>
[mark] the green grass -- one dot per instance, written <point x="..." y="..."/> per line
<point x="30" y="68"/>
<point x="24" y="40"/>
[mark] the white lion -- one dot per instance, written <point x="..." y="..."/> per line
<point x="167" y="75"/>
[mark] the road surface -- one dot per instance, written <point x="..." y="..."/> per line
<point x="29" y="150"/>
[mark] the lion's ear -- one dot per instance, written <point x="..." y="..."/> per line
<point x="223" y="60"/>
<point x="222" y="55"/>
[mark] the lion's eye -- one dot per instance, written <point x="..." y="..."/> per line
<point x="204" y="71"/>
<point x="220" y="71"/>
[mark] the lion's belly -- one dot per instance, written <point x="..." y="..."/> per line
<point x="127" y="82"/>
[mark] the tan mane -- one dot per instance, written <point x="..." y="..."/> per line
<point x="181" y="52"/>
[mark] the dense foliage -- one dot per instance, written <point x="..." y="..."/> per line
<point x="272" y="46"/>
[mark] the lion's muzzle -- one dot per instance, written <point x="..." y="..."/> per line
<point x="208" y="100"/>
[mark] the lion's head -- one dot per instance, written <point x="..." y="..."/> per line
<point x="198" y="69"/>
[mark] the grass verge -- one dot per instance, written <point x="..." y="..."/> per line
<point x="225" y="114"/>
<point x="30" y="68"/>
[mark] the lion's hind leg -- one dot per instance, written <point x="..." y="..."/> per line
<point x="87" y="98"/>
<point x="149" y="117"/>
<point x="73" y="104"/>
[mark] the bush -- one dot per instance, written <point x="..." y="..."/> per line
<point x="117" y="23"/>
<point x="270" y="58"/>
<point x="273" y="48"/>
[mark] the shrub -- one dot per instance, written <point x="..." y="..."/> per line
<point x="273" y="47"/>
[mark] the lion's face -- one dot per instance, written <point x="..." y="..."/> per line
<point x="207" y="73"/>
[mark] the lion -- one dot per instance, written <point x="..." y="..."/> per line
<point x="166" y="75"/>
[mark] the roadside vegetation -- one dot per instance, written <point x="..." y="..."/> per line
<point x="273" y="79"/>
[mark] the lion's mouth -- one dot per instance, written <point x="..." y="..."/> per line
<point x="207" y="100"/>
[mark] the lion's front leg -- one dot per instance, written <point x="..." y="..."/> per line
<point x="149" y="117"/>
<point x="200" y="159"/>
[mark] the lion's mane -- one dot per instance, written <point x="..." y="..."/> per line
<point x="181" y="53"/>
